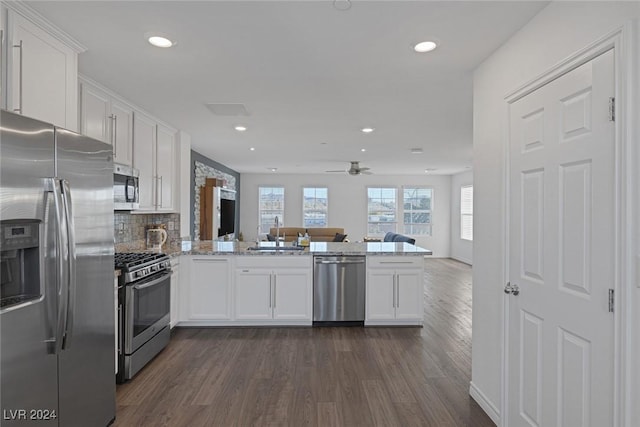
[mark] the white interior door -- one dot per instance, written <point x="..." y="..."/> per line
<point x="561" y="256"/>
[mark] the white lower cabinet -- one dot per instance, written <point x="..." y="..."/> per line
<point x="394" y="290"/>
<point x="253" y="292"/>
<point x="207" y="294"/>
<point x="270" y="290"/>
<point x="175" y="290"/>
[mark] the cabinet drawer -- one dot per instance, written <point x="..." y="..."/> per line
<point x="395" y="261"/>
<point x="274" y="261"/>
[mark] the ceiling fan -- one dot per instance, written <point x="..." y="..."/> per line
<point x="355" y="169"/>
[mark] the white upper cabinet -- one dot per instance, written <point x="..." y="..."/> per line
<point x="165" y="168"/>
<point x="104" y="117"/>
<point x="94" y="113"/>
<point x="122" y="132"/>
<point x="154" y="155"/>
<point x="41" y="71"/>
<point x="144" y="154"/>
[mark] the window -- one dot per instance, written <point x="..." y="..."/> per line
<point x="270" y="206"/>
<point x="315" y="206"/>
<point x="466" y="212"/>
<point x="416" y="205"/>
<point x="381" y="209"/>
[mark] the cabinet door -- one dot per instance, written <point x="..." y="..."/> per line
<point x="209" y="289"/>
<point x="94" y="112"/>
<point x="3" y="58"/>
<point x="122" y="128"/>
<point x="253" y="294"/>
<point x="380" y="295"/>
<point x="409" y="294"/>
<point x="292" y="289"/>
<point x="144" y="154"/>
<point x="165" y="169"/>
<point x="43" y="75"/>
<point x="175" y="281"/>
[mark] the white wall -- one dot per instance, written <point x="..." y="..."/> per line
<point x="347" y="203"/>
<point x="559" y="30"/>
<point x="462" y="250"/>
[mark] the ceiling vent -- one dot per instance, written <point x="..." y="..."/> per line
<point x="228" y="109"/>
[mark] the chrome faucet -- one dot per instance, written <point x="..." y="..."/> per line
<point x="277" y="231"/>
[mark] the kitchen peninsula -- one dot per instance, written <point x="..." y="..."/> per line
<point x="244" y="284"/>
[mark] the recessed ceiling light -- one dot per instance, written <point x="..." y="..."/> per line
<point x="363" y="149"/>
<point x="273" y="169"/>
<point x="367" y="129"/>
<point x="159" y="41"/>
<point x="426" y="46"/>
<point x="429" y="170"/>
<point x="240" y="128"/>
<point x="252" y="149"/>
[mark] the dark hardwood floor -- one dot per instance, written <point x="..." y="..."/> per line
<point x="318" y="376"/>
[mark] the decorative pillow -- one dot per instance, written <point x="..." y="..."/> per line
<point x="271" y="237"/>
<point x="339" y="237"/>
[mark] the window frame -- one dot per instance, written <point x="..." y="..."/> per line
<point x="430" y="211"/>
<point x="464" y="214"/>
<point x="395" y="223"/>
<point x="260" y="210"/>
<point x="326" y="212"/>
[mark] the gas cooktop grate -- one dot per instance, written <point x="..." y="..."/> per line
<point x="130" y="260"/>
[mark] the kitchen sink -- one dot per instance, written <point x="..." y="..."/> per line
<point x="276" y="248"/>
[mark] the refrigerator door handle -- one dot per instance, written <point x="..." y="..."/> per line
<point x="71" y="264"/>
<point x="51" y="283"/>
<point x="54" y="186"/>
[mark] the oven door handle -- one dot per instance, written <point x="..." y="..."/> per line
<point x="152" y="283"/>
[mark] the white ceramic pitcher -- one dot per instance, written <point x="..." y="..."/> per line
<point x="156" y="237"/>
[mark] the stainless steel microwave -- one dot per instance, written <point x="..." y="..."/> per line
<point x="126" y="192"/>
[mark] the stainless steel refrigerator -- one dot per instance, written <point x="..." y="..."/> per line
<point x="57" y="281"/>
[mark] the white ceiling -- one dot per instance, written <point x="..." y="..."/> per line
<point x="310" y="75"/>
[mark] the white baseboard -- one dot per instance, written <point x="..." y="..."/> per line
<point x="484" y="403"/>
<point x="466" y="261"/>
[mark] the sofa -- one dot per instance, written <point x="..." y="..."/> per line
<point x="394" y="237"/>
<point x="319" y="234"/>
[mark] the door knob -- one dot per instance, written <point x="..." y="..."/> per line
<point x="511" y="289"/>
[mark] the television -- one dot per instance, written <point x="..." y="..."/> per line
<point x="227" y="217"/>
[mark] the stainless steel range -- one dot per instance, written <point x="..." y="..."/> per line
<point x="144" y="292"/>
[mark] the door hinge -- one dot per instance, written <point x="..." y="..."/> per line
<point x="611" y="300"/>
<point x="612" y="109"/>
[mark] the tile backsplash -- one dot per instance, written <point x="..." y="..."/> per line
<point x="130" y="228"/>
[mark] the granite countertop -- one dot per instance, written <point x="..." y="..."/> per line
<point x="209" y="247"/>
<point x="316" y="248"/>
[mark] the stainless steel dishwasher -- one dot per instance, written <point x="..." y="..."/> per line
<point x="338" y="289"/>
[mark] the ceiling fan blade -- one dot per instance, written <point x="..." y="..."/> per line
<point x="363" y="169"/>
<point x="366" y="172"/>
<point x="337" y="171"/>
